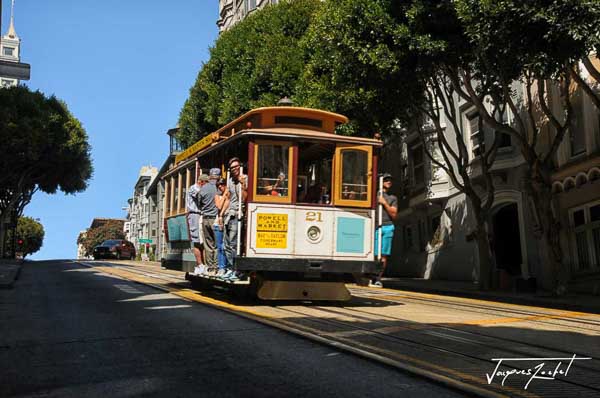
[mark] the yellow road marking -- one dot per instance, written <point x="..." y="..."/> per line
<point x="402" y="357"/>
<point x="184" y="293"/>
<point x="394" y="295"/>
<point x="560" y="315"/>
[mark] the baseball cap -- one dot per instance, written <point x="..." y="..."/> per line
<point x="203" y="177"/>
<point x="387" y="176"/>
<point x="215" y="172"/>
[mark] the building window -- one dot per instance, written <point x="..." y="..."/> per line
<point x="250" y="5"/>
<point x="153" y="232"/>
<point x="585" y="223"/>
<point x="7" y="83"/>
<point x="418" y="165"/>
<point x="8" y="51"/>
<point x="505" y="118"/>
<point x="476" y="134"/>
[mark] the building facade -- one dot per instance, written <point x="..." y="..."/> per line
<point x="434" y="230"/>
<point x="10" y="49"/>
<point x="139" y="226"/>
<point x="233" y="11"/>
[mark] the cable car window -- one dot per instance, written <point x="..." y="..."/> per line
<point x="273" y="170"/>
<point x="355" y="174"/>
<point x="314" y="172"/>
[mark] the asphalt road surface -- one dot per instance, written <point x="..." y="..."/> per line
<point x="68" y="330"/>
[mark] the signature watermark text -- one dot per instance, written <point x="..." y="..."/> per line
<point x="544" y="369"/>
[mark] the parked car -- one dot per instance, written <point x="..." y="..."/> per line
<point x="115" y="248"/>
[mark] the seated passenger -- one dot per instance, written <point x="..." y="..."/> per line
<point x="316" y="193"/>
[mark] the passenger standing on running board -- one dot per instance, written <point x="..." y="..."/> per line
<point x="236" y="183"/>
<point x="209" y="215"/>
<point x="194" y="217"/>
<point x="222" y="205"/>
<point x="389" y="213"/>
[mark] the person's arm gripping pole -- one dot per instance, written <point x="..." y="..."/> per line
<point x="380" y="210"/>
<point x="239" y="213"/>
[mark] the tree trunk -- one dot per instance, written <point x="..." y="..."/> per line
<point x="484" y="251"/>
<point x="552" y="275"/>
<point x="3" y="220"/>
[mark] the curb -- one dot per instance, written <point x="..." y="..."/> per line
<point x="498" y="297"/>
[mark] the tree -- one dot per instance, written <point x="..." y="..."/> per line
<point x="31" y="233"/>
<point x="112" y="229"/>
<point x="255" y="63"/>
<point x="43" y="148"/>
<point x="526" y="55"/>
<point x="359" y="64"/>
<point x="377" y="60"/>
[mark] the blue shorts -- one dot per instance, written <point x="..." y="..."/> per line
<point x="387" y="233"/>
<point x="195" y="223"/>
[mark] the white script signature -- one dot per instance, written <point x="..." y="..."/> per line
<point x="537" y="372"/>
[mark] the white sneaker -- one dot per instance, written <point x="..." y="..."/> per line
<point x="200" y="269"/>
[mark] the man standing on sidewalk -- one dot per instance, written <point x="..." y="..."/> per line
<point x="206" y="201"/>
<point x="389" y="213"/>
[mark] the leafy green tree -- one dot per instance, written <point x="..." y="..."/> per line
<point x="255" y="63"/>
<point x="359" y="63"/>
<point x="112" y="229"/>
<point x="31" y="232"/>
<point x="525" y="55"/>
<point x="43" y="148"/>
<point x="377" y="61"/>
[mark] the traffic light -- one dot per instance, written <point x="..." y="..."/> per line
<point x="20" y="242"/>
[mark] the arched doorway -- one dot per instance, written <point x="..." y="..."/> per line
<point x="506" y="239"/>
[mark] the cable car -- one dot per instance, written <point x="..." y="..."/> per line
<point x="307" y="226"/>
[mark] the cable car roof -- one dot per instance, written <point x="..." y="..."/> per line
<point x="279" y="122"/>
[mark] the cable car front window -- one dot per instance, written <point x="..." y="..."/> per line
<point x="314" y="172"/>
<point x="355" y="169"/>
<point x="272" y="170"/>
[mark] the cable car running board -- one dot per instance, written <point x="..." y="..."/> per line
<point x="302" y="290"/>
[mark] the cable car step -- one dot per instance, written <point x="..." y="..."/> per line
<point x="302" y="290"/>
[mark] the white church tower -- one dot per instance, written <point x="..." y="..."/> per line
<point x="10" y="48"/>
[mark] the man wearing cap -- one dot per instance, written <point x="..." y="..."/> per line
<point x="235" y="193"/>
<point x="194" y="217"/>
<point x="389" y="213"/>
<point x="206" y="201"/>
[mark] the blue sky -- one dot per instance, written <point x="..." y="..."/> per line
<point x="125" y="69"/>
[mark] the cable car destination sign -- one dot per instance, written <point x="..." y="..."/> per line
<point x="198" y="146"/>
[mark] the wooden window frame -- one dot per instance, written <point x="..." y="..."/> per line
<point x="261" y="198"/>
<point x="337" y="176"/>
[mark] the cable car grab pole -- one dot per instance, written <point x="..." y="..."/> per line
<point x="380" y="210"/>
<point x="239" y="215"/>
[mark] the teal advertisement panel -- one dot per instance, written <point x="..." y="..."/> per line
<point x="177" y="228"/>
<point x="350" y="235"/>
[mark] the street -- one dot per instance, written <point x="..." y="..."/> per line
<point x="69" y="330"/>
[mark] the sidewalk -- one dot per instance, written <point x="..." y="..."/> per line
<point x="571" y="301"/>
<point x="9" y="272"/>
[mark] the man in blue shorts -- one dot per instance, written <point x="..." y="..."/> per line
<point x="389" y="213"/>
